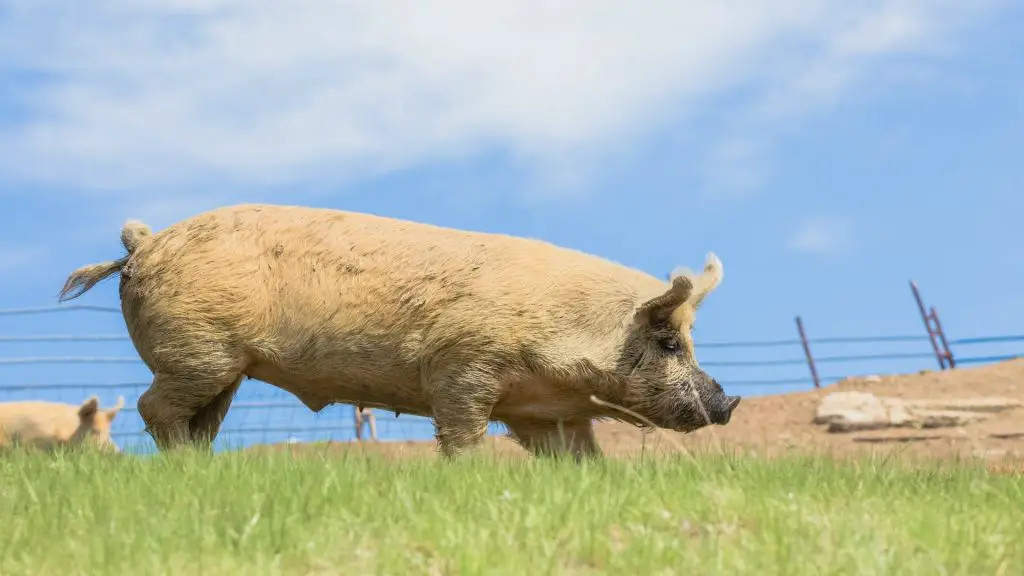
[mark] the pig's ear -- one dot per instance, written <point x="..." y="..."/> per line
<point x="704" y="283"/>
<point x="657" y="310"/>
<point x="87" y="411"/>
<point x="112" y="412"/>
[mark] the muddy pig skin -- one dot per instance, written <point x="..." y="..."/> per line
<point x="462" y="327"/>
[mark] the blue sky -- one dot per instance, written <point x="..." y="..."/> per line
<point x="828" y="152"/>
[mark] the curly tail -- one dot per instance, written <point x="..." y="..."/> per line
<point x="133" y="234"/>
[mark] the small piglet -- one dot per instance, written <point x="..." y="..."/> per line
<point x="49" y="425"/>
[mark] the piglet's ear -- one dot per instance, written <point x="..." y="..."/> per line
<point x="88" y="408"/>
<point x="112" y="412"/>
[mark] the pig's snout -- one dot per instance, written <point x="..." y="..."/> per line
<point x="722" y="413"/>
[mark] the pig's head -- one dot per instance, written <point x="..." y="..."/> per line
<point x="667" y="386"/>
<point x="94" y="425"/>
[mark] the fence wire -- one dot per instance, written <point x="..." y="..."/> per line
<point x="263" y="414"/>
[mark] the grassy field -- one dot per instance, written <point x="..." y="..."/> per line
<point x="238" y="513"/>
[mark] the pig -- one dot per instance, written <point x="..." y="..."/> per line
<point x="463" y="327"/>
<point x="52" y="425"/>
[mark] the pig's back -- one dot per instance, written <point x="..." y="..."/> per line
<point x="284" y="273"/>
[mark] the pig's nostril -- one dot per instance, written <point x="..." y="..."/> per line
<point x="723" y="416"/>
<point x="734" y="401"/>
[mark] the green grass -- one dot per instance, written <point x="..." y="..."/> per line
<point x="237" y="513"/>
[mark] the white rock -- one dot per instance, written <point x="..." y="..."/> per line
<point x="852" y="411"/>
<point x="838" y="404"/>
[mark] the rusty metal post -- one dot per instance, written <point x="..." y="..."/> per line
<point x="927" y="326"/>
<point x="807" y="352"/>
<point x="942" y="336"/>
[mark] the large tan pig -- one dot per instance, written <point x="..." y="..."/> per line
<point x="50" y="425"/>
<point x="463" y="327"/>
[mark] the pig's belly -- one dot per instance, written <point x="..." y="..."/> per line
<point x="541" y="400"/>
<point x="401" y="393"/>
<point x="400" y="390"/>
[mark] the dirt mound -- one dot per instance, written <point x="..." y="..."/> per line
<point x="778" y="424"/>
<point x="773" y="425"/>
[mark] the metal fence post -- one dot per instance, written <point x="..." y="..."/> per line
<point x="940" y="355"/>
<point x="942" y="337"/>
<point x="807" y="352"/>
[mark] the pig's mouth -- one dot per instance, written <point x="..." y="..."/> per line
<point x="694" y="416"/>
<point x="682" y="409"/>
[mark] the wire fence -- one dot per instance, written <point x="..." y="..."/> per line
<point x="49" y="363"/>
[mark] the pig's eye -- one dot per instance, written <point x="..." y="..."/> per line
<point x="670" y="344"/>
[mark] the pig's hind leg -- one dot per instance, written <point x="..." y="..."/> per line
<point x="186" y="404"/>
<point x="204" y="426"/>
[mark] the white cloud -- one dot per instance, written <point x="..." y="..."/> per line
<point x="129" y="96"/>
<point x="862" y="40"/>
<point x="820" y="235"/>
<point x="848" y="61"/>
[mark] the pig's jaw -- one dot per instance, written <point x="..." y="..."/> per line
<point x="715" y="412"/>
<point x="690" y="414"/>
<point x="671" y="410"/>
<point x="688" y="426"/>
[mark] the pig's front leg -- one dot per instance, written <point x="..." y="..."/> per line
<point x="462" y="402"/>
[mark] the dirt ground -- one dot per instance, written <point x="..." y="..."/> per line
<point x="773" y="425"/>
